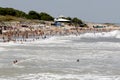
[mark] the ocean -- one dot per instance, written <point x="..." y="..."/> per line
<point x="88" y="56"/>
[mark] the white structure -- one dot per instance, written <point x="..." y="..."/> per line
<point x="61" y="19"/>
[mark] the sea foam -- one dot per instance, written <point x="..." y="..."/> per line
<point x="50" y="76"/>
<point x="67" y="38"/>
<point x="112" y="34"/>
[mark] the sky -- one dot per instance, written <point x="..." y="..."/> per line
<point x="100" y="11"/>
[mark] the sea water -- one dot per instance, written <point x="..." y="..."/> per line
<point x="55" y="58"/>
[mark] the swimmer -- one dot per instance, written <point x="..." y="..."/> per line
<point x="44" y="37"/>
<point x="78" y="60"/>
<point x="15" y="61"/>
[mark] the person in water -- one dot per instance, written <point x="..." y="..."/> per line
<point x="44" y="37"/>
<point x="78" y="60"/>
<point x="15" y="61"/>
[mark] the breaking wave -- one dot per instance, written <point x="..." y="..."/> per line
<point x="49" y="76"/>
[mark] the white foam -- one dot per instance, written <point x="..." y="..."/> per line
<point x="112" y="34"/>
<point x="59" y="76"/>
<point x="50" y="76"/>
<point x="11" y="43"/>
<point x="115" y="34"/>
<point x="53" y="39"/>
<point x="17" y="66"/>
<point x="2" y="49"/>
<point x="64" y="39"/>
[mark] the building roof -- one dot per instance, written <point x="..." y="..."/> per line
<point x="61" y="20"/>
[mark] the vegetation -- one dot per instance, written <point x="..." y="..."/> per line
<point x="45" y="16"/>
<point x="9" y="14"/>
<point x="76" y="21"/>
<point x="12" y="12"/>
<point x="33" y="15"/>
<point x="30" y="15"/>
<point x="69" y="18"/>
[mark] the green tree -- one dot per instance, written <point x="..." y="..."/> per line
<point x="33" y="15"/>
<point x="77" y="21"/>
<point x="20" y="14"/>
<point x="45" y="16"/>
<point x="69" y="18"/>
<point x="2" y="12"/>
<point x="7" y="11"/>
<point x="12" y="12"/>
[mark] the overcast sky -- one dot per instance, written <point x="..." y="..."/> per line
<point x="87" y="10"/>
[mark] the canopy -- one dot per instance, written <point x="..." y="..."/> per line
<point x="61" y="20"/>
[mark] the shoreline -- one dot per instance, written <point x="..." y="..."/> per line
<point x="41" y="31"/>
<point x="46" y="37"/>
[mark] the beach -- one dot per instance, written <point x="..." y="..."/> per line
<point x="59" y="40"/>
